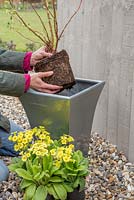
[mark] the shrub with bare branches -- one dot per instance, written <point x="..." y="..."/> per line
<point x="51" y="36"/>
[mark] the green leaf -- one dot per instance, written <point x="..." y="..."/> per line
<point x="25" y="197"/>
<point x="24" y="174"/>
<point x="53" y="170"/>
<point x="50" y="164"/>
<point x="30" y="191"/>
<point x="29" y="166"/>
<point x="60" y="190"/>
<point x="78" y="156"/>
<point x="25" y="183"/>
<point x="72" y="174"/>
<point x="76" y="182"/>
<point x="82" y="183"/>
<point x="36" y="169"/>
<point x="42" y="174"/>
<point x="83" y="173"/>
<point x="36" y="177"/>
<point x="35" y="161"/>
<point x="45" y="163"/>
<point x="16" y="160"/>
<point x="41" y="193"/>
<point x="52" y="191"/>
<point x="13" y="167"/>
<point x="56" y="179"/>
<point x="16" y="163"/>
<point x="68" y="187"/>
<point x="69" y="166"/>
<point x="62" y="172"/>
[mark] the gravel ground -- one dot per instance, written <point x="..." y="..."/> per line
<point x="111" y="175"/>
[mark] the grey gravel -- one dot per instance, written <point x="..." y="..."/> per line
<point x="111" y="175"/>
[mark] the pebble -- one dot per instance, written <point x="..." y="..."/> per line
<point x="111" y="174"/>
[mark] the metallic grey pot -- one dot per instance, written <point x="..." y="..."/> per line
<point x="70" y="111"/>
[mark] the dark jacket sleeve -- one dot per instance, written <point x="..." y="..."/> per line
<point x="11" y="84"/>
<point x="11" y="61"/>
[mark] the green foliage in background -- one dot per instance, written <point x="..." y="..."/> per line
<point x="9" y="28"/>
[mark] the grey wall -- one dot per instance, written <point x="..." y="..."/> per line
<point x="100" y="42"/>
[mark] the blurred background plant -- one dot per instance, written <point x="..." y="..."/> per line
<point x="48" y="34"/>
<point x="36" y="21"/>
<point x="10" y="26"/>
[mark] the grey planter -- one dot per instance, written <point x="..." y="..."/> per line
<point x="70" y="111"/>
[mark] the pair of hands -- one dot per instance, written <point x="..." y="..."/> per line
<point x="36" y="78"/>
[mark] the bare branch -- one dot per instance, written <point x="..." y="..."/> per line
<point x="49" y="22"/>
<point x="26" y="37"/>
<point x="41" y="21"/>
<point x="29" y="28"/>
<point x="51" y="14"/>
<point x="50" y="37"/>
<point x="55" y="20"/>
<point x="68" y="22"/>
<point x="26" y="25"/>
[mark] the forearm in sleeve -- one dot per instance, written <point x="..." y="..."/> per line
<point x="12" y="61"/>
<point x="11" y="84"/>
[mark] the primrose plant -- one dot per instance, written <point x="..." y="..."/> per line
<point x="47" y="167"/>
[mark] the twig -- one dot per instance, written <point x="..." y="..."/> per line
<point x="26" y="37"/>
<point x="26" y="25"/>
<point x="41" y="22"/>
<point x="49" y="11"/>
<point x="68" y="22"/>
<point x="29" y="28"/>
<point x="55" y="20"/>
<point x="49" y="22"/>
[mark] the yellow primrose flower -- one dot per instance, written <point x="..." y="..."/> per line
<point x="53" y="152"/>
<point x="37" y="133"/>
<point x="63" y="140"/>
<point x="25" y="141"/>
<point x="16" y="147"/>
<point x="28" y="155"/>
<point x="66" y="139"/>
<point x="44" y="152"/>
<point x="20" y="134"/>
<point x="19" y="140"/>
<point x="66" y="158"/>
<point x="29" y="137"/>
<point x="68" y="151"/>
<point x="70" y="138"/>
<point x="48" y="140"/>
<point x="24" y="158"/>
<point x="42" y="136"/>
<point x="60" y="154"/>
<point x="10" y="137"/>
<point x="14" y="138"/>
<point x="71" y="146"/>
<point x="38" y="153"/>
<point x="57" y="163"/>
<point x="20" y="145"/>
<point x="61" y="149"/>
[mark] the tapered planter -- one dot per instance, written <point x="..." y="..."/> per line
<point x="70" y="111"/>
